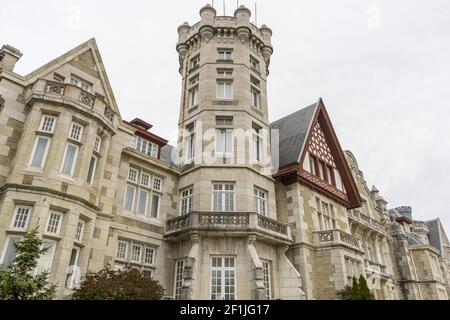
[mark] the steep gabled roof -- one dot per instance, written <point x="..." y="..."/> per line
<point x="293" y="130"/>
<point x="437" y="236"/>
<point x="88" y="50"/>
<point x="298" y="133"/>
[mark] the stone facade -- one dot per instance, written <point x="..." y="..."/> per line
<point x="221" y="216"/>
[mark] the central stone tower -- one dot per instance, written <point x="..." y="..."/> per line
<point x="228" y="231"/>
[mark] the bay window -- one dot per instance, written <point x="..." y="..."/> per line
<point x="179" y="270"/>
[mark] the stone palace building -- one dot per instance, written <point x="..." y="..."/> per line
<point x="241" y="208"/>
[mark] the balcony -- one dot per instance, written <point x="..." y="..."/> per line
<point x="365" y="220"/>
<point x="217" y="224"/>
<point x="376" y="268"/>
<point x="71" y="95"/>
<point x="336" y="237"/>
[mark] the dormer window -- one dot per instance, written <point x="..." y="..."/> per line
<point x="145" y="146"/>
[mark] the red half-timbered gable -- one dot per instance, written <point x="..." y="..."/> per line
<point x="321" y="164"/>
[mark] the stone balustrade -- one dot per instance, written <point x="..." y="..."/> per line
<point x="336" y="237"/>
<point x="230" y="222"/>
<point x="47" y="89"/>
<point x="365" y="220"/>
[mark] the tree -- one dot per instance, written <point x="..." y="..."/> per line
<point x="17" y="281"/>
<point x="126" y="284"/>
<point x="364" y="290"/>
<point x="357" y="291"/>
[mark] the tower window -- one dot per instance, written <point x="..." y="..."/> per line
<point x="225" y="55"/>
<point x="256" y="98"/>
<point x="193" y="96"/>
<point x="195" y="62"/>
<point x="226" y="73"/>
<point x="225" y="89"/>
<point x="254" y="63"/>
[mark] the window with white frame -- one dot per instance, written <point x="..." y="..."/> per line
<point x="39" y="152"/>
<point x="76" y="81"/>
<point x="193" y="94"/>
<point x="21" y="218"/>
<point x="79" y="231"/>
<point x="91" y="170"/>
<point x="154" y="213"/>
<point x="54" y="223"/>
<point x="257" y="144"/>
<point x="267" y="279"/>
<point x="224" y="89"/>
<point x="254" y="63"/>
<point x="97" y="143"/>
<point x="76" y="131"/>
<point x="122" y="250"/>
<point x="136" y="253"/>
<point x="190" y="142"/>
<point x="157" y="184"/>
<point x="145" y="146"/>
<point x="130" y="193"/>
<point x="179" y="270"/>
<point x="260" y="197"/>
<point x="225" y="54"/>
<point x="69" y="159"/>
<point x="145" y="180"/>
<point x="326" y="216"/>
<point x="149" y="256"/>
<point x="223" y="278"/>
<point x="132" y="175"/>
<point x="9" y="250"/>
<point x="45" y="261"/>
<point x="224" y="136"/>
<point x="256" y="97"/>
<point x="186" y="199"/>
<point x="224" y="142"/>
<point x="223" y="197"/>
<point x="47" y="123"/>
<point x="73" y="274"/>
<point x="141" y="197"/>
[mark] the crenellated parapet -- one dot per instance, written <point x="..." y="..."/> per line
<point x="225" y="30"/>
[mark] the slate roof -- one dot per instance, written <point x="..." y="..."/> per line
<point x="293" y="130"/>
<point x="412" y="239"/>
<point x="434" y="236"/>
<point x="166" y="154"/>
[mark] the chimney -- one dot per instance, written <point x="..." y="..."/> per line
<point x="8" y="57"/>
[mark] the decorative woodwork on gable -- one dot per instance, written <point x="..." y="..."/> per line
<point x="318" y="146"/>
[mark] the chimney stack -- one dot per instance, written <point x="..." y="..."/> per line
<point x="8" y="57"/>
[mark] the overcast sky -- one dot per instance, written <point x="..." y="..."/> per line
<point x="381" y="66"/>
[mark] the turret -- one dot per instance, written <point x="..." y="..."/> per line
<point x="208" y="15"/>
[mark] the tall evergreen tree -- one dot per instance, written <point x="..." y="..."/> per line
<point x="17" y="281"/>
<point x="356" y="294"/>
<point x="365" y="293"/>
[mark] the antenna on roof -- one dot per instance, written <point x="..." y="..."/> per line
<point x="237" y="3"/>
<point x="256" y="14"/>
<point x="212" y="3"/>
<point x="224" y="8"/>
